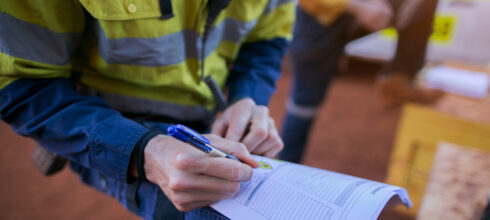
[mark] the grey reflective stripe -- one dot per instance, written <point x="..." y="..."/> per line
<point x="302" y="111"/>
<point x="273" y="4"/>
<point x="32" y="42"/>
<point x="169" y="49"/>
<point x="137" y="105"/>
<point x="235" y="30"/>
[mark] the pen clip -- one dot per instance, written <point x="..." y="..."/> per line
<point x="192" y="134"/>
<point x="185" y="134"/>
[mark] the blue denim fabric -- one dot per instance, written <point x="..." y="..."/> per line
<point x="295" y="132"/>
<point x="315" y="53"/>
<point x="151" y="201"/>
<point x="83" y="129"/>
<point x="99" y="141"/>
<point x="314" y="63"/>
<point x="256" y="70"/>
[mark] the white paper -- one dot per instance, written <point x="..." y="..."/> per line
<point x="282" y="190"/>
<point x="458" y="81"/>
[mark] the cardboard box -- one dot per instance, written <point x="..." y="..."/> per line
<point x="459" y="184"/>
<point x="420" y="130"/>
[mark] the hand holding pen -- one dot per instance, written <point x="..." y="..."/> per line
<point x="192" y="179"/>
<point x="187" y="135"/>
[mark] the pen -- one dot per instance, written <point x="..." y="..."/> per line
<point x="187" y="135"/>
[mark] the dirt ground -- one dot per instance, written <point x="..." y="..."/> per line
<point x="353" y="135"/>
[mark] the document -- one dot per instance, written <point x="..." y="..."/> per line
<point x="283" y="190"/>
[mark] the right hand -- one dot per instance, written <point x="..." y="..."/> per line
<point x="374" y="15"/>
<point x="190" y="178"/>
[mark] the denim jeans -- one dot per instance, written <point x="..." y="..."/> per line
<point x="315" y="53"/>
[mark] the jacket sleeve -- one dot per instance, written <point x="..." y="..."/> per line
<point x="258" y="64"/>
<point x="325" y="11"/>
<point x="38" y="99"/>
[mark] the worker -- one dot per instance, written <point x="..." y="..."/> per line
<point x="98" y="83"/>
<point x="323" y="29"/>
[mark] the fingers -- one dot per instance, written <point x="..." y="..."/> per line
<point x="219" y="127"/>
<point x="388" y="17"/>
<point x="383" y="20"/>
<point x="192" y="179"/>
<point x="191" y="206"/>
<point x="273" y="145"/>
<point x="374" y="15"/>
<point x="223" y="168"/>
<point x="240" y="117"/>
<point x="384" y="23"/>
<point x="203" y="183"/>
<point x="251" y="124"/>
<point x="186" y="201"/>
<point x="233" y="123"/>
<point x="259" y="128"/>
<point x="234" y="148"/>
<point x="387" y="13"/>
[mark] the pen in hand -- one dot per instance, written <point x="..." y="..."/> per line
<point x="187" y="135"/>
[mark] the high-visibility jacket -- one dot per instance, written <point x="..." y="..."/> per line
<point x="131" y="51"/>
<point x="136" y="62"/>
<point x="325" y="11"/>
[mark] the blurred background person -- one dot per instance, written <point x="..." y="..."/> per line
<point x="323" y="29"/>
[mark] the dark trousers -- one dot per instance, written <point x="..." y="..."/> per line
<point x="315" y="53"/>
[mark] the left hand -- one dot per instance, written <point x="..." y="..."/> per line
<point x="250" y="124"/>
<point x="374" y="15"/>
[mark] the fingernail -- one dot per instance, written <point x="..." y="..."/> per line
<point x="256" y="164"/>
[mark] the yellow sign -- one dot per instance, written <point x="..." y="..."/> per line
<point x="444" y="27"/>
<point x="264" y="165"/>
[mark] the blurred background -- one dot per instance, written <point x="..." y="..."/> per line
<point x="438" y="150"/>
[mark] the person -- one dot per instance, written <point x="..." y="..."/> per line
<point x="323" y="29"/>
<point x="98" y="83"/>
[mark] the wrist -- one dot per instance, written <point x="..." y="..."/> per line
<point x="158" y="147"/>
<point x="139" y="152"/>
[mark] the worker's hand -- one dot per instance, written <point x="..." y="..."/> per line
<point x="190" y="178"/>
<point x="407" y="11"/>
<point x="250" y="124"/>
<point x="374" y="15"/>
<point x="398" y="88"/>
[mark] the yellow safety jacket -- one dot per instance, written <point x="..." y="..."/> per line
<point x="128" y="54"/>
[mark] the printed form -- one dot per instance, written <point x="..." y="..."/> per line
<point x="283" y="190"/>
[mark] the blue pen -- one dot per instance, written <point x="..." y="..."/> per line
<point x="187" y="135"/>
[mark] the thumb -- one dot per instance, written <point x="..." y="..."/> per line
<point x="236" y="149"/>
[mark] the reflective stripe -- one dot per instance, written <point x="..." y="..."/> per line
<point x="169" y="49"/>
<point x="128" y="104"/>
<point x="273" y="4"/>
<point x="301" y="111"/>
<point x="32" y="42"/>
<point x="235" y="30"/>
